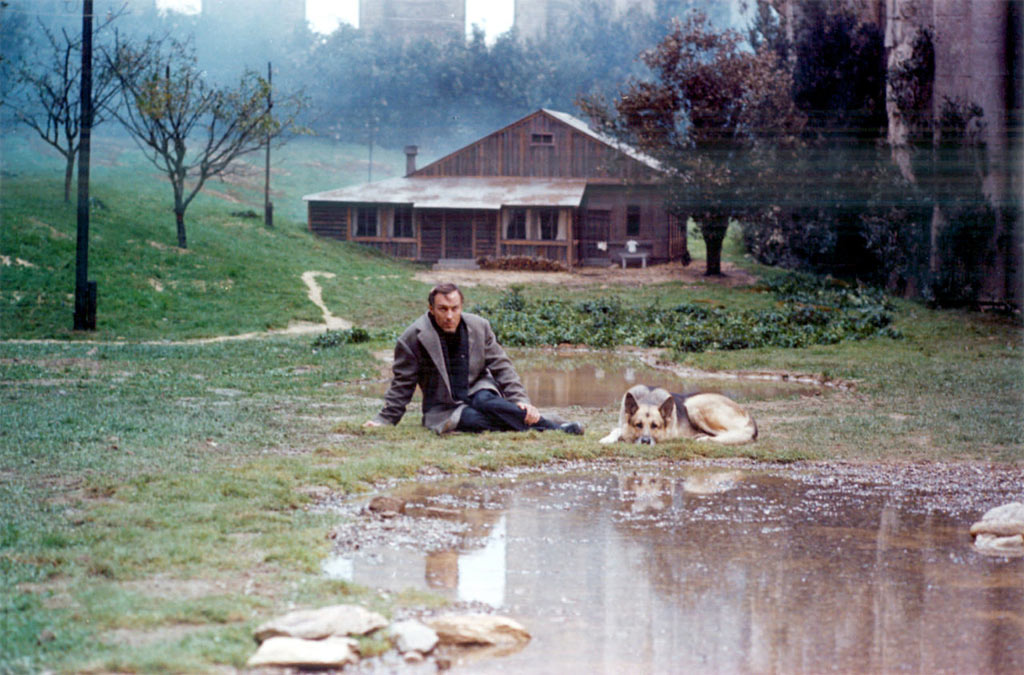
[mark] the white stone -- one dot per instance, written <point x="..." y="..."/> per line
<point x="332" y="652"/>
<point x="412" y="636"/>
<point x="478" y="629"/>
<point x="312" y="624"/>
<point x="1001" y="530"/>
<point x="993" y="545"/>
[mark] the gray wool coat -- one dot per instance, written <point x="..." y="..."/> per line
<point x="419" y="360"/>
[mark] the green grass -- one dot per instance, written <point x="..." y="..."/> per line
<point x="236" y="276"/>
<point x="154" y="493"/>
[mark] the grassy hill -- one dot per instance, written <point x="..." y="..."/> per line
<point x="237" y="276"/>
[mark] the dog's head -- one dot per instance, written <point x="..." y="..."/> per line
<point x="648" y="414"/>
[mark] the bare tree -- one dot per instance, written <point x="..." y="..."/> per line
<point x="49" y="82"/>
<point x="188" y="128"/>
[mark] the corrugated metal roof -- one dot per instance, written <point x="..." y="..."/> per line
<point x="470" y="192"/>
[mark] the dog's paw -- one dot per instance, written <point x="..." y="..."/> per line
<point x="615" y="435"/>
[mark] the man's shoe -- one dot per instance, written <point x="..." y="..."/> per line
<point x="574" y="428"/>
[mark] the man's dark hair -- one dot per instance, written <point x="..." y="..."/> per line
<point x="445" y="289"/>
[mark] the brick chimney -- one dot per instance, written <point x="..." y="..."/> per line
<point x="410" y="159"/>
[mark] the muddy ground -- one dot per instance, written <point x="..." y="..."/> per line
<point x="598" y="277"/>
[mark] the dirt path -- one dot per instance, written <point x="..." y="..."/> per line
<point x="315" y="295"/>
<point x="598" y="277"/>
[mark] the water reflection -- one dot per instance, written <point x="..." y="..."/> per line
<point x="717" y="570"/>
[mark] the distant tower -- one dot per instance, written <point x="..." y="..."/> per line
<point x="434" y="19"/>
<point x="536" y="19"/>
<point x="287" y="14"/>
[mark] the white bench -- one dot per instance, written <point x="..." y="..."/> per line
<point x="639" y="255"/>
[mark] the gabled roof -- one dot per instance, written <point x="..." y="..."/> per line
<point x="570" y="121"/>
<point x="461" y="192"/>
<point x="484" y="192"/>
<point x="627" y="150"/>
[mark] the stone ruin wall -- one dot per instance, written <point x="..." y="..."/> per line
<point x="973" y="57"/>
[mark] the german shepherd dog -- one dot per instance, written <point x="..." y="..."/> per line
<point x="653" y="415"/>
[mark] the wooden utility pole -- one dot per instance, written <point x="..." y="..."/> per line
<point x="268" y="206"/>
<point x="85" y="290"/>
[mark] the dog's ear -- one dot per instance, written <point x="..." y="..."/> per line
<point x="667" y="408"/>
<point x="630" y="405"/>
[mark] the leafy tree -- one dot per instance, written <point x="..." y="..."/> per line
<point x="839" y="78"/>
<point x="49" y="77"/>
<point x="714" y="113"/>
<point x="189" y="129"/>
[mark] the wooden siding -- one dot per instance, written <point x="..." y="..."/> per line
<point x="431" y="229"/>
<point x="513" y="151"/>
<point x="398" y="249"/>
<point x="458" y="234"/>
<point x="485" y="224"/>
<point x="677" y="245"/>
<point x="329" y="219"/>
<point x="611" y="204"/>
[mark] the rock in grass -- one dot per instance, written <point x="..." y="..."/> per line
<point x="386" y="507"/>
<point x="1000" y="531"/>
<point x="412" y="636"/>
<point x="284" y="652"/>
<point x="479" y="629"/>
<point x="313" y="624"/>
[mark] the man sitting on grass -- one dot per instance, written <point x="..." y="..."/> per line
<point x="467" y="380"/>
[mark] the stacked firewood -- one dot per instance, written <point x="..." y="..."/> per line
<point x="520" y="263"/>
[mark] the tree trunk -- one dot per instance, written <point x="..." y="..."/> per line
<point x="714" y="234"/>
<point x="714" y="259"/>
<point x="179" y="217"/>
<point x="69" y="172"/>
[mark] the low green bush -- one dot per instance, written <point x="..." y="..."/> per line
<point x="808" y="311"/>
<point x="336" y="338"/>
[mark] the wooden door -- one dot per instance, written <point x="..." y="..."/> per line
<point x="594" y="235"/>
<point x="458" y="234"/>
<point x="431" y="227"/>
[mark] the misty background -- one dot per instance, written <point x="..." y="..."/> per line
<point x="392" y="82"/>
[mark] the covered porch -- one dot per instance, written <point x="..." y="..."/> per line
<point x="432" y="219"/>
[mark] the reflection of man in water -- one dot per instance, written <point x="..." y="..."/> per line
<point x="467" y="380"/>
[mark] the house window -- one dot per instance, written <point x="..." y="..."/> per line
<point x="632" y="221"/>
<point x="548" y="223"/>
<point x="366" y="222"/>
<point x="543" y="139"/>
<point x="516" y="224"/>
<point x="403" y="224"/>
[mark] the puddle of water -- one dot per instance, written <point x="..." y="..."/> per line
<point x="599" y="380"/>
<point x="558" y="380"/>
<point x="714" y="570"/>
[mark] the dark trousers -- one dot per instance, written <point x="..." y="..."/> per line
<point x="488" y="411"/>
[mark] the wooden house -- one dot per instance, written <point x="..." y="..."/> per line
<point x="546" y="186"/>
